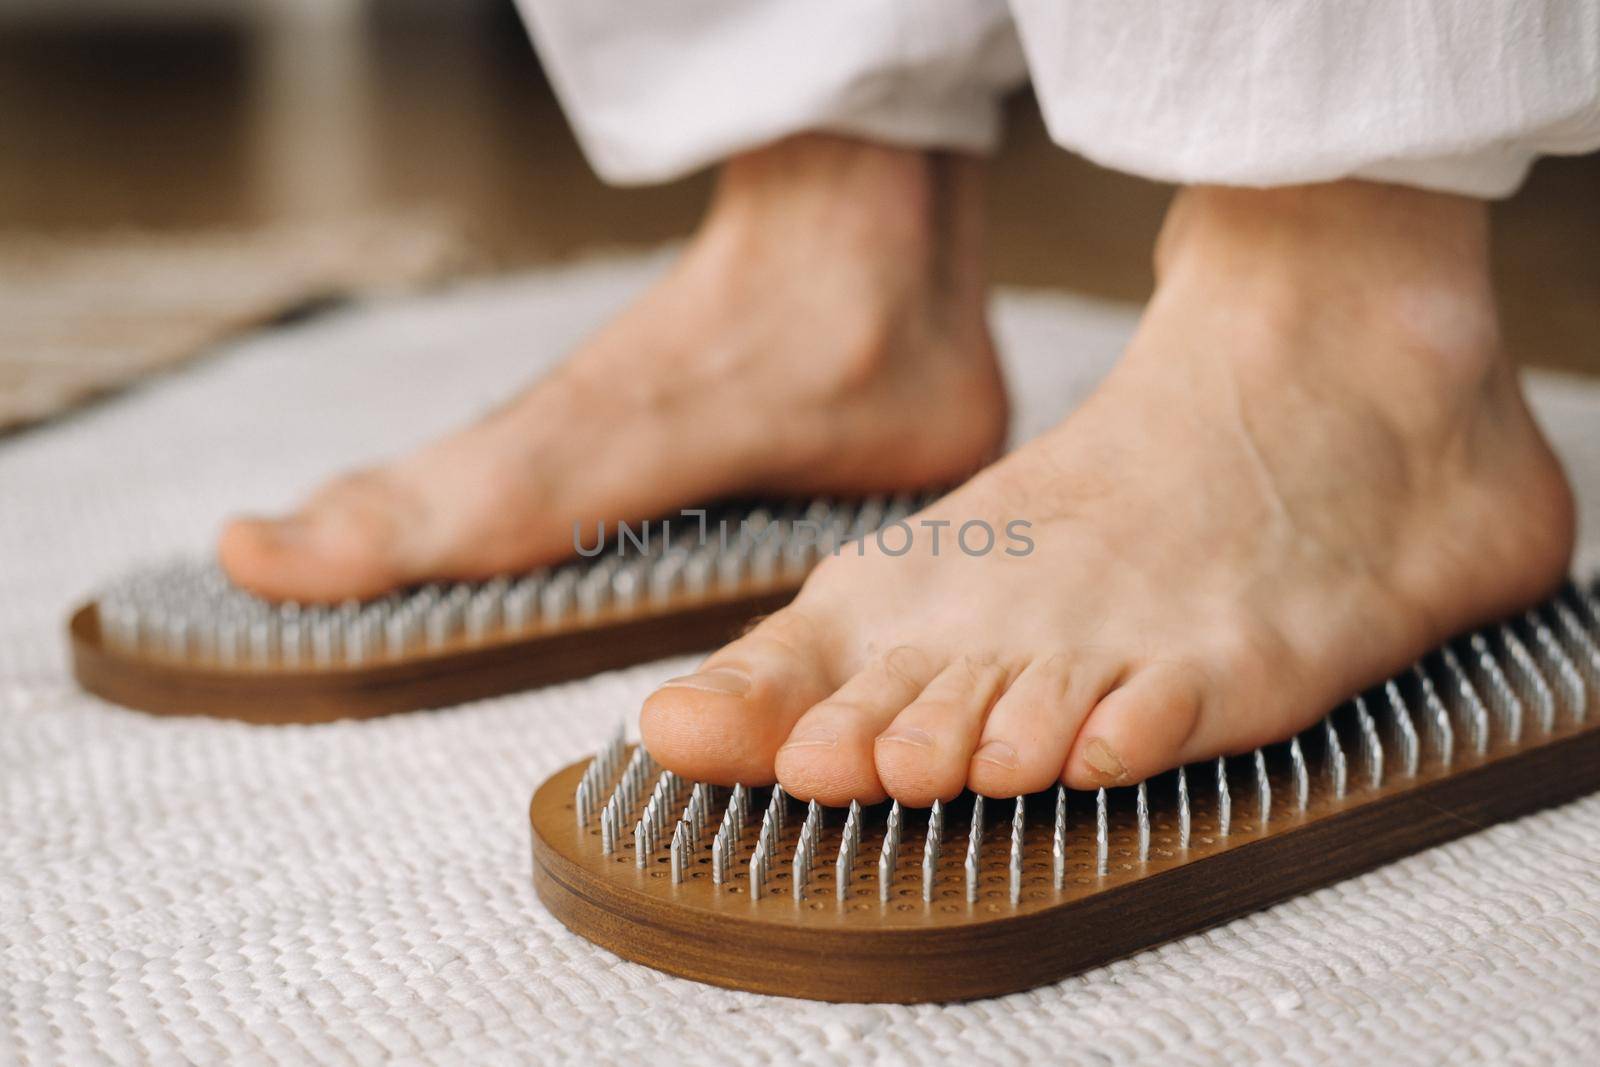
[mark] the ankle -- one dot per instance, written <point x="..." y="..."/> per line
<point x="877" y="251"/>
<point x="1397" y="230"/>
<point x="907" y="222"/>
<point x="1396" y="279"/>
<point x="840" y="183"/>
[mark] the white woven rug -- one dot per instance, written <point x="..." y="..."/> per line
<point x="196" y="891"/>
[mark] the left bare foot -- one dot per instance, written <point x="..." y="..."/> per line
<point x="1312" y="465"/>
<point x="824" y="332"/>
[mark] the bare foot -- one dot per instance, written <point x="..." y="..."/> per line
<point x="1313" y="464"/>
<point x="824" y="332"/>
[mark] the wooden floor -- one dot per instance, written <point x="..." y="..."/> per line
<point x="198" y="124"/>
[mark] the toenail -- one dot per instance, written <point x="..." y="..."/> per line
<point x="1098" y="755"/>
<point x="287" y="532"/>
<point x="817" y="738"/>
<point x="998" y="753"/>
<point x="716" y="680"/>
<point x="908" y="735"/>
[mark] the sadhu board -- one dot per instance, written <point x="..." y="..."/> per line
<point x="750" y="889"/>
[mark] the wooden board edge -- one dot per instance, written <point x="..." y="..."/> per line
<point x="281" y="697"/>
<point x="1026" y="950"/>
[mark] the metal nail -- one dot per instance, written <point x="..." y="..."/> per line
<point x="1263" y="789"/>
<point x="1058" y="840"/>
<point x="1406" y="730"/>
<point x="1102" y="833"/>
<point x="1441" y="729"/>
<point x="1224" y="798"/>
<point x="1477" y="713"/>
<point x="974" y="848"/>
<point x="1371" y="743"/>
<point x="1017" y="814"/>
<point x="1142" y="812"/>
<point x="930" y="849"/>
<point x="889" y="853"/>
<point x="1302" y="776"/>
<point x="1183" y="808"/>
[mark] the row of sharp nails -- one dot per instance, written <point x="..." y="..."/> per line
<point x="1575" y="667"/>
<point x="191" y="610"/>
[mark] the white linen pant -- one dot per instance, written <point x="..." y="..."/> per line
<point x="1457" y="95"/>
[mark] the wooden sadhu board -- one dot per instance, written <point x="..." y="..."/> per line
<point x="180" y="639"/>
<point x="734" y="888"/>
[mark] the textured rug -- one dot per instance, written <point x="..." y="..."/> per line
<point x="200" y="892"/>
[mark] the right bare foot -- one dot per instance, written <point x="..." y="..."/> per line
<point x="1313" y="464"/>
<point x="824" y="332"/>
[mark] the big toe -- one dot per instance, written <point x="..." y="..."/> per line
<point x="724" y="723"/>
<point x="351" y="540"/>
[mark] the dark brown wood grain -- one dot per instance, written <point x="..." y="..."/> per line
<point x="426" y="680"/>
<point x="910" y="951"/>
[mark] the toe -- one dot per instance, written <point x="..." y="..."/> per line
<point x="924" y="754"/>
<point x="724" y="723"/>
<point x="1027" y="736"/>
<point x="1139" y="729"/>
<point x="829" y="754"/>
<point x="349" y="541"/>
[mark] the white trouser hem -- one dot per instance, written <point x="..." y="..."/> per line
<point x="1457" y="97"/>
<point x="1442" y="94"/>
<point x="658" y="88"/>
<point x="636" y="156"/>
<point x="1492" y="173"/>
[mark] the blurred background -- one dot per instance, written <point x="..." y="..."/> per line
<point x="175" y="171"/>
